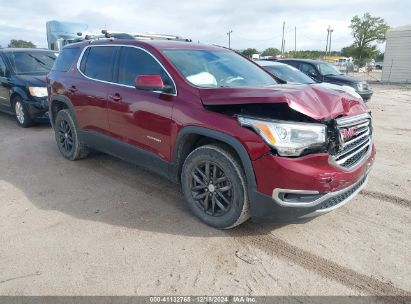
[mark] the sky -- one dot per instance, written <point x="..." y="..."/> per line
<point x="255" y="23"/>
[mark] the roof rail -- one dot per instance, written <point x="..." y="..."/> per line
<point x="137" y="36"/>
<point x="160" y="37"/>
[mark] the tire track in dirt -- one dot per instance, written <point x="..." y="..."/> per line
<point x="254" y="235"/>
<point x="388" y="198"/>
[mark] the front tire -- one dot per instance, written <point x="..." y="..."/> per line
<point x="214" y="186"/>
<point x="67" y="137"/>
<point x="22" y="115"/>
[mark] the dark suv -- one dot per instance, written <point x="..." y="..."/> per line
<point x="23" y="83"/>
<point x="240" y="144"/>
<point x="322" y="71"/>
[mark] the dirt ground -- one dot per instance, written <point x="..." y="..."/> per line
<point x="103" y="227"/>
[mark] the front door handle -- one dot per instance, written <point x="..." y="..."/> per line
<point x="115" y="97"/>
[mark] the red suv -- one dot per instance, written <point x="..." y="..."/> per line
<point x="239" y="143"/>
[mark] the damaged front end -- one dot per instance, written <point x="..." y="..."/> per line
<point x="319" y="158"/>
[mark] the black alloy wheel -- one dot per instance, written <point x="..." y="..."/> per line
<point x="65" y="136"/>
<point x="211" y="188"/>
<point x="215" y="187"/>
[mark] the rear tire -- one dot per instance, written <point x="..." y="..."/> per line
<point x="22" y="115"/>
<point x="67" y="137"/>
<point x="214" y="186"/>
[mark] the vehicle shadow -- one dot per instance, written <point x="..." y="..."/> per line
<point x="100" y="188"/>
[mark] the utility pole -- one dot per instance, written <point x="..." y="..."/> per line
<point x="326" y="46"/>
<point x="229" y="38"/>
<point x="329" y="46"/>
<point x="295" y="40"/>
<point x="282" y="41"/>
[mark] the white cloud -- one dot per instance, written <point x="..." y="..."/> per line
<point x="254" y="23"/>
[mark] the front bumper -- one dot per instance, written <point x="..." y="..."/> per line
<point x="365" y="95"/>
<point x="304" y="187"/>
<point x="38" y="108"/>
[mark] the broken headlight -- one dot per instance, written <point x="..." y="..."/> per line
<point x="288" y="138"/>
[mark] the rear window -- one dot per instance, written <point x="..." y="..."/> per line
<point x="65" y="59"/>
<point x="97" y="62"/>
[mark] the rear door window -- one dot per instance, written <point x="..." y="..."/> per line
<point x="97" y="62"/>
<point x="2" y="68"/>
<point x="307" y="68"/>
<point x="292" y="63"/>
<point x="134" y="62"/>
<point x="65" y="59"/>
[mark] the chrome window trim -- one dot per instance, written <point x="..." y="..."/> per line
<point x="119" y="84"/>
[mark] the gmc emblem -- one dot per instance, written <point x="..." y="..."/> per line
<point x="347" y="133"/>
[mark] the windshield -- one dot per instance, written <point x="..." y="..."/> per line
<point x="218" y="69"/>
<point x="328" y="69"/>
<point x="33" y="62"/>
<point x="289" y="74"/>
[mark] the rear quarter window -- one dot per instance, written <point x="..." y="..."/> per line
<point x="97" y="62"/>
<point x="65" y="59"/>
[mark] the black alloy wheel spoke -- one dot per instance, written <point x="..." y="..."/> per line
<point x="223" y="197"/>
<point x="213" y="205"/>
<point x="198" y="180"/>
<point x="204" y="177"/>
<point x="206" y="201"/>
<point x="219" y="204"/>
<point x="211" y="188"/>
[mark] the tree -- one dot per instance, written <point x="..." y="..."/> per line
<point x="271" y="52"/>
<point x="365" y="31"/>
<point x="306" y="54"/>
<point x="249" y="52"/>
<point x="14" y="43"/>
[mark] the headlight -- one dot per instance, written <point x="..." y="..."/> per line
<point x="288" y="138"/>
<point x="38" y="91"/>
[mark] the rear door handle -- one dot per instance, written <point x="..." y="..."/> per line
<point x="115" y="97"/>
<point x="72" y="89"/>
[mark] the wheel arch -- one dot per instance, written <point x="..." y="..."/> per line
<point x="16" y="91"/>
<point x="191" y="137"/>
<point x="58" y="103"/>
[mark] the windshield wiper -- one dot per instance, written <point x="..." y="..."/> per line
<point x="38" y="60"/>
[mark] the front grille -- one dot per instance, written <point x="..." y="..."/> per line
<point x="355" y="140"/>
<point x="335" y="200"/>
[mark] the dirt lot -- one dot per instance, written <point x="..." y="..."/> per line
<point x="103" y="227"/>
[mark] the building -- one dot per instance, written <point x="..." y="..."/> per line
<point x="397" y="57"/>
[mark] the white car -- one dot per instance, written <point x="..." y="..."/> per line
<point x="292" y="75"/>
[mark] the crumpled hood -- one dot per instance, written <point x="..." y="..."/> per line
<point x="316" y="102"/>
<point x="33" y="80"/>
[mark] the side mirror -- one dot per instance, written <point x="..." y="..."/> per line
<point x="149" y="83"/>
<point x="313" y="75"/>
